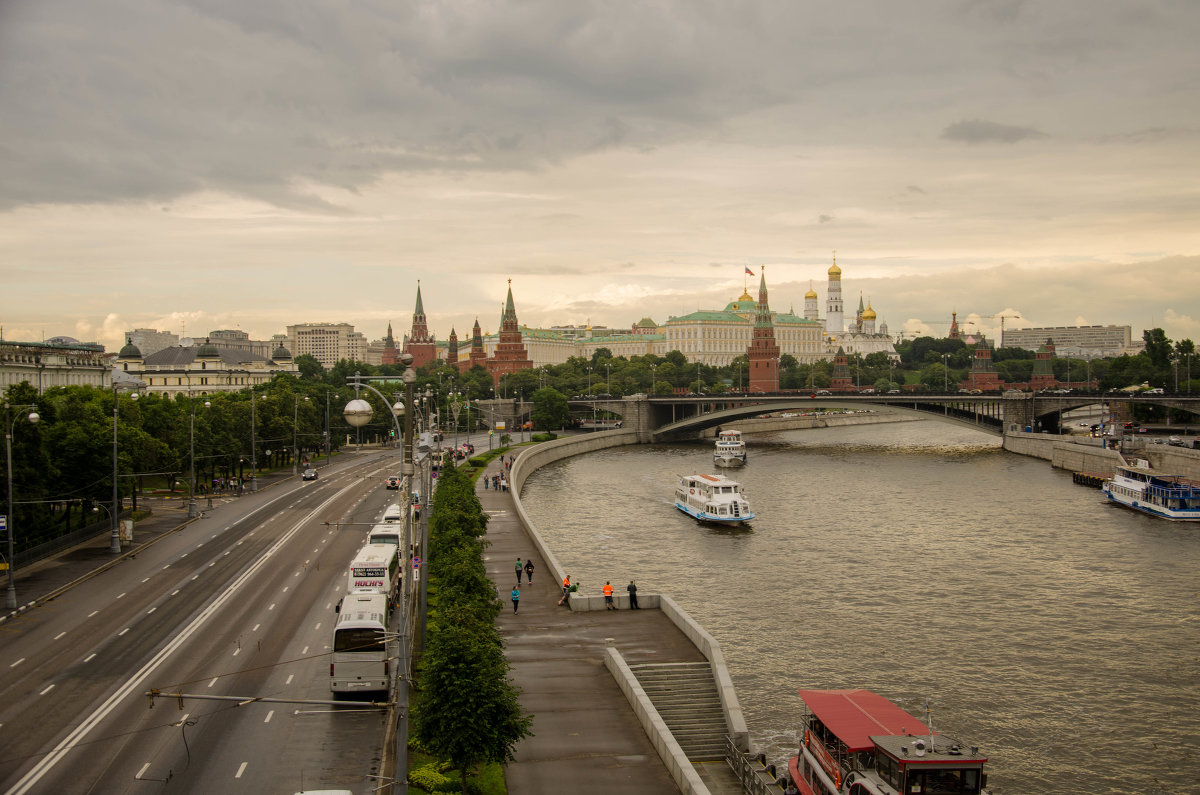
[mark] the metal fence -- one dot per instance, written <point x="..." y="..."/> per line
<point x="752" y="771"/>
<point x="48" y="548"/>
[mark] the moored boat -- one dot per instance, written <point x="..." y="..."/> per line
<point x="855" y="742"/>
<point x="712" y="498"/>
<point x="1139" y="487"/>
<point x="730" y="449"/>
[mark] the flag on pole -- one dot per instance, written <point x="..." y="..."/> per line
<point x="749" y="271"/>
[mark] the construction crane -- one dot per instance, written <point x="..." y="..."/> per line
<point x="1002" y="319"/>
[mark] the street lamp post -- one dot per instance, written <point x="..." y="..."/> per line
<point x="358" y="413"/>
<point x="295" y="419"/>
<point x="192" y="457"/>
<point x="653" y="377"/>
<point x="608" y="379"/>
<point x="10" y="600"/>
<point x="253" y="443"/>
<point x="115" y="542"/>
<point x="945" y="373"/>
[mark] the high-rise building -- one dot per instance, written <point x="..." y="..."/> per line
<point x="1082" y="341"/>
<point x="328" y="343"/>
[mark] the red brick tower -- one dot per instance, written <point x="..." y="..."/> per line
<point x="510" y="350"/>
<point x="420" y="343"/>
<point x="842" y="380"/>
<point x="477" y="356"/>
<point x="1043" y="368"/>
<point x="452" y="349"/>
<point x="763" y="352"/>
<point x="390" y="353"/>
<point x="983" y="373"/>
<point x="954" y="332"/>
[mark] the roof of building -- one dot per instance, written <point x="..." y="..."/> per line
<point x="178" y="356"/>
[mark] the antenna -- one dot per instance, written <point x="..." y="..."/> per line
<point x="929" y="723"/>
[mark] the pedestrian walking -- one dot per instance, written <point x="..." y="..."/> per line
<point x="608" y="602"/>
<point x="485" y="483"/>
<point x="633" y="605"/>
<point x="516" y="597"/>
<point x="566" y="586"/>
<point x="529" y="570"/>
<point x="520" y="568"/>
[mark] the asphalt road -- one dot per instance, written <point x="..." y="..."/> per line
<point x="238" y="603"/>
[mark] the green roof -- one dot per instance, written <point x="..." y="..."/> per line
<point x="713" y="315"/>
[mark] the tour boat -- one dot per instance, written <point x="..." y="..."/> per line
<point x="855" y="742"/>
<point x="730" y="450"/>
<point x="1166" y="496"/>
<point x="712" y="498"/>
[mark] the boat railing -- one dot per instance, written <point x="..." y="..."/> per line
<point x="752" y="770"/>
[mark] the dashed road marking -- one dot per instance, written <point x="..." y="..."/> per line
<point x="94" y="612"/>
<point x="145" y="767"/>
<point x="18" y="662"/>
<point x="89" y="657"/>
<point x="269" y="716"/>
<point x="289" y="679"/>
<point x="241" y="770"/>
<point x="47" y="690"/>
<point x="59" y="635"/>
<point x="214" y="681"/>
<point x="122" y="632"/>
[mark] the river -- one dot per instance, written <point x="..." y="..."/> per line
<point x="918" y="560"/>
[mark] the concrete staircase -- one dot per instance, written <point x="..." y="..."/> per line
<point x="685" y="696"/>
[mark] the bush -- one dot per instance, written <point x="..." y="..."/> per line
<point x="544" y="437"/>
<point x="429" y="779"/>
<point x="477" y="462"/>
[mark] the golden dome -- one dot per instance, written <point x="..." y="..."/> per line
<point x="811" y="293"/>
<point x="835" y="272"/>
<point x="746" y="296"/>
<point x="868" y="313"/>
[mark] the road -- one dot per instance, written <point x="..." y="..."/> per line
<point x="237" y="603"/>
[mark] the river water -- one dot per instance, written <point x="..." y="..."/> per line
<point x="918" y="560"/>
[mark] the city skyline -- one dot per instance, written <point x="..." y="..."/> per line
<point x="224" y="165"/>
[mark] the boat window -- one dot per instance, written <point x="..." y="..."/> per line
<point x="888" y="770"/>
<point x="942" y="782"/>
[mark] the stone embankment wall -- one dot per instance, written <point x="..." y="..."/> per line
<point x="1085" y="454"/>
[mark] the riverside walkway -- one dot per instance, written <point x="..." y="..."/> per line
<point x="586" y="736"/>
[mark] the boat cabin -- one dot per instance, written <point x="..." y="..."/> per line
<point x="857" y="742"/>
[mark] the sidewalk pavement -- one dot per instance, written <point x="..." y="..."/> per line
<point x="587" y="738"/>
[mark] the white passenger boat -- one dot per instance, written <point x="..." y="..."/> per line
<point x="712" y="498"/>
<point x="1136" y="486"/>
<point x="730" y="449"/>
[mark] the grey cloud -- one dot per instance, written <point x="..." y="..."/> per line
<point x="979" y="131"/>
<point x="824" y="219"/>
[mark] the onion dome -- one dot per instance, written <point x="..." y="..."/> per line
<point x="130" y="351"/>
<point x="869" y="313"/>
<point x="834" y="271"/>
<point x="811" y="293"/>
<point x="281" y="354"/>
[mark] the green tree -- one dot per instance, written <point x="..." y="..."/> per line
<point x="1158" y="347"/>
<point x="550" y="409"/>
<point x="310" y="368"/>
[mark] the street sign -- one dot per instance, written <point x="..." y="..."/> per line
<point x="416" y="563"/>
<point x="3" y="522"/>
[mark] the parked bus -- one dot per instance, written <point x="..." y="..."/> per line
<point x="359" y="662"/>
<point x="375" y="569"/>
<point x="385" y="533"/>
<point x="393" y="513"/>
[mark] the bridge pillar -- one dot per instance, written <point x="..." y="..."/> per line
<point x="636" y="414"/>
<point x="1018" y="411"/>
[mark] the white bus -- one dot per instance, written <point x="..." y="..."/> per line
<point x="375" y="569"/>
<point x="393" y="513"/>
<point x="359" y="662"/>
<point x="385" y="533"/>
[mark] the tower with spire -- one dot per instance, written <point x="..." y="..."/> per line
<point x="477" y="355"/>
<point x="833" y="303"/>
<point x="452" y="348"/>
<point x="420" y="343"/>
<point x="763" y="352"/>
<point x="390" y="352"/>
<point x="510" y="354"/>
<point x="810" y="304"/>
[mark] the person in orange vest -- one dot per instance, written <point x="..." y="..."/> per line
<point x="608" y="600"/>
<point x="566" y="589"/>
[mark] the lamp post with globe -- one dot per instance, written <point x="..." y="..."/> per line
<point x="10" y="425"/>
<point x="115" y="542"/>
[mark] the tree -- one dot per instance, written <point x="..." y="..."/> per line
<point x="550" y="409"/>
<point x="1158" y="347"/>
<point x="467" y="711"/>
<point x="310" y="368"/>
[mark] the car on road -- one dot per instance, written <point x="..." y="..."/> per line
<point x="393" y="483"/>
<point x="309" y="474"/>
<point x="824" y="392"/>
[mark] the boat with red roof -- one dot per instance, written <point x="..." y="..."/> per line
<point x="856" y="742"/>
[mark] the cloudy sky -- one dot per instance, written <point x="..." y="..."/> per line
<point x="200" y="164"/>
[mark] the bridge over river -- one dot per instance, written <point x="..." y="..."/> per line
<point x="669" y="417"/>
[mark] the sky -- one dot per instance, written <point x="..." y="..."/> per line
<point x="189" y="165"/>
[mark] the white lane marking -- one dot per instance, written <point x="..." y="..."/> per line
<point x="304" y="651"/>
<point x="18" y="662"/>
<point x="214" y="681"/>
<point x="120" y="595"/>
<point x="269" y="716"/>
<point x="59" y="635"/>
<point x="89" y="657"/>
<point x="136" y="682"/>
<point x="195" y="577"/>
<point x="241" y="770"/>
<point x="145" y="767"/>
<point x="297" y="574"/>
<point x="272" y="607"/>
<point x="226" y="554"/>
<point x="146" y="580"/>
<point x="151" y="610"/>
<point x="212" y="564"/>
<point x="184" y="555"/>
<point x="285" y="589"/>
<point x="94" y="612"/>
<point x="236" y="652"/>
<point x="47" y="690"/>
<point x="328" y="605"/>
<point x="182" y="720"/>
<point x="122" y="632"/>
<point x="174" y="592"/>
<point x="289" y="679"/>
<point x="318" y="626"/>
<point x="256" y="626"/>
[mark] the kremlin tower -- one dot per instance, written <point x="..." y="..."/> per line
<point x="763" y="352"/>
<point x="833" y="304"/>
<point x="420" y="343"/>
<point x="510" y="354"/>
